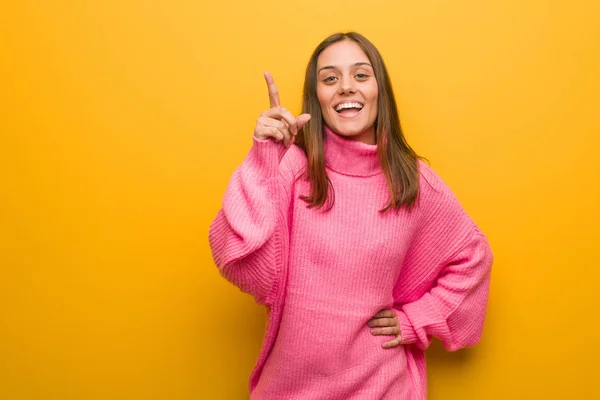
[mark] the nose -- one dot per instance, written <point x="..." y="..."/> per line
<point x="346" y="85"/>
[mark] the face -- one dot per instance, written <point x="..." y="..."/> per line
<point x="347" y="91"/>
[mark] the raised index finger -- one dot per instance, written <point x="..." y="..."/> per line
<point x="273" y="92"/>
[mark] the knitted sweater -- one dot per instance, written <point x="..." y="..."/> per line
<point x="323" y="274"/>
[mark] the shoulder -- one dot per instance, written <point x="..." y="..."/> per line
<point x="430" y="183"/>
<point x="441" y="213"/>
<point x="436" y="198"/>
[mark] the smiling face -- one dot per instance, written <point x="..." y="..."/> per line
<point x="347" y="91"/>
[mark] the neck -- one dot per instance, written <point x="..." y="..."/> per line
<point x="350" y="156"/>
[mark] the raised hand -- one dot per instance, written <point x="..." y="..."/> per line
<point x="277" y="122"/>
<point x="385" y="322"/>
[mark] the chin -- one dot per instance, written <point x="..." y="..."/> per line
<point x="349" y="131"/>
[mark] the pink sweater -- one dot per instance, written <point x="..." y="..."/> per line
<point x="323" y="274"/>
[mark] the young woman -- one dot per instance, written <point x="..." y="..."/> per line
<point x="359" y="251"/>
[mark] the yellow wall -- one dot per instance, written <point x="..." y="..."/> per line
<point x="121" y="122"/>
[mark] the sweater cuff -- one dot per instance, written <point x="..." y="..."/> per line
<point x="265" y="155"/>
<point x="407" y="332"/>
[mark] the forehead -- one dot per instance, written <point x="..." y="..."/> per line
<point x="342" y="54"/>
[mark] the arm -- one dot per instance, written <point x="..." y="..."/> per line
<point x="443" y="286"/>
<point x="454" y="309"/>
<point x="248" y="237"/>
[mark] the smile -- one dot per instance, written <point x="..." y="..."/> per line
<point x="349" y="106"/>
<point x="349" y="109"/>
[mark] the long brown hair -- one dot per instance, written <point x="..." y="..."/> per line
<point x="397" y="159"/>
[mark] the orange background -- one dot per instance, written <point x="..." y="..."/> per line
<point x="121" y="123"/>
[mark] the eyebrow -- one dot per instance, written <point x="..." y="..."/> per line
<point x="358" y="64"/>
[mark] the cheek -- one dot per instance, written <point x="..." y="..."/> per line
<point x="374" y="94"/>
<point x="322" y="97"/>
<point x="325" y="106"/>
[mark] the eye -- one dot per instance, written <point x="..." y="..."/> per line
<point x="361" y="77"/>
<point x="329" y="79"/>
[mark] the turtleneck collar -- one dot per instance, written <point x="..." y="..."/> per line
<point x="350" y="157"/>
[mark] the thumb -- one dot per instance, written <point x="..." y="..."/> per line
<point x="302" y="120"/>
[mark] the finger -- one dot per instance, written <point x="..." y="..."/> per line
<point x="382" y="322"/>
<point x="284" y="114"/>
<point x="273" y="92"/>
<point x="385" y="313"/>
<point x="265" y="132"/>
<point x="290" y="120"/>
<point x="388" y="330"/>
<point x="396" y="342"/>
<point x="280" y="125"/>
<point x="302" y="120"/>
<point x="275" y="133"/>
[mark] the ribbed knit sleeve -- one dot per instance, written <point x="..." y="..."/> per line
<point x="249" y="236"/>
<point x="444" y="284"/>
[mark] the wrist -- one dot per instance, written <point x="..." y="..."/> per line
<point x="407" y="332"/>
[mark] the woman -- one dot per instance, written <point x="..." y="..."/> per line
<point x="359" y="251"/>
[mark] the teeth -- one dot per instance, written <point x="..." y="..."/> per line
<point x="348" y="105"/>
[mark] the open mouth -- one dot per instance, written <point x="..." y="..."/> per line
<point x="349" y="108"/>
